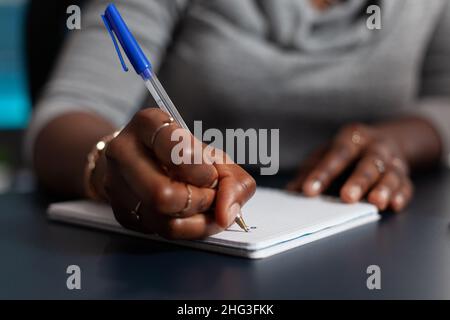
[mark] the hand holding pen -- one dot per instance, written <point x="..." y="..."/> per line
<point x="147" y="192"/>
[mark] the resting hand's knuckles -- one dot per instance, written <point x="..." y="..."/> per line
<point x="348" y="130"/>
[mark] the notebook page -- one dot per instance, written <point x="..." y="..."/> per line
<point x="275" y="217"/>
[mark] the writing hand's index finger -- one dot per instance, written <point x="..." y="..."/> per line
<point x="175" y="148"/>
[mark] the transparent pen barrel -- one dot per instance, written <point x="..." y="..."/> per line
<point x="163" y="100"/>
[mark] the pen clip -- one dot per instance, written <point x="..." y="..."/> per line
<point x="116" y="45"/>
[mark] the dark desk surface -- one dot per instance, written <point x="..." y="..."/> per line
<point x="412" y="249"/>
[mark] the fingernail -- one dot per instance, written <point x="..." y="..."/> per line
<point x="316" y="185"/>
<point x="383" y="194"/>
<point x="354" y="192"/>
<point x="214" y="184"/>
<point x="399" y="200"/>
<point x="234" y="210"/>
<point x="380" y="198"/>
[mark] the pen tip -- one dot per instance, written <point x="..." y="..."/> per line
<point x="241" y="223"/>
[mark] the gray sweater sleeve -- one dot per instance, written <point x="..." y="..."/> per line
<point x="434" y="102"/>
<point x="88" y="76"/>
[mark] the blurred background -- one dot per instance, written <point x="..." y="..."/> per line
<point x="14" y="94"/>
<point x="31" y="33"/>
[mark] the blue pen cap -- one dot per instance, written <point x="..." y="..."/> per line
<point x="117" y="26"/>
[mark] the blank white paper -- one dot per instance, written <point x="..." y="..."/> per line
<point x="279" y="221"/>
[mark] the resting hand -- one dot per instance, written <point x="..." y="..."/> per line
<point x="381" y="170"/>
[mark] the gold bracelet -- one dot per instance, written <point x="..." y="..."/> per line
<point x="91" y="164"/>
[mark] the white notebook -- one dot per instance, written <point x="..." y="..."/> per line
<point x="280" y="221"/>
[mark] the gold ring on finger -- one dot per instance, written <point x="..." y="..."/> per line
<point x="155" y="134"/>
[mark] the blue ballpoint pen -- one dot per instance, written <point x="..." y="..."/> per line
<point x="118" y="29"/>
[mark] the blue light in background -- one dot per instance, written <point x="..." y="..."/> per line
<point x="14" y="99"/>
